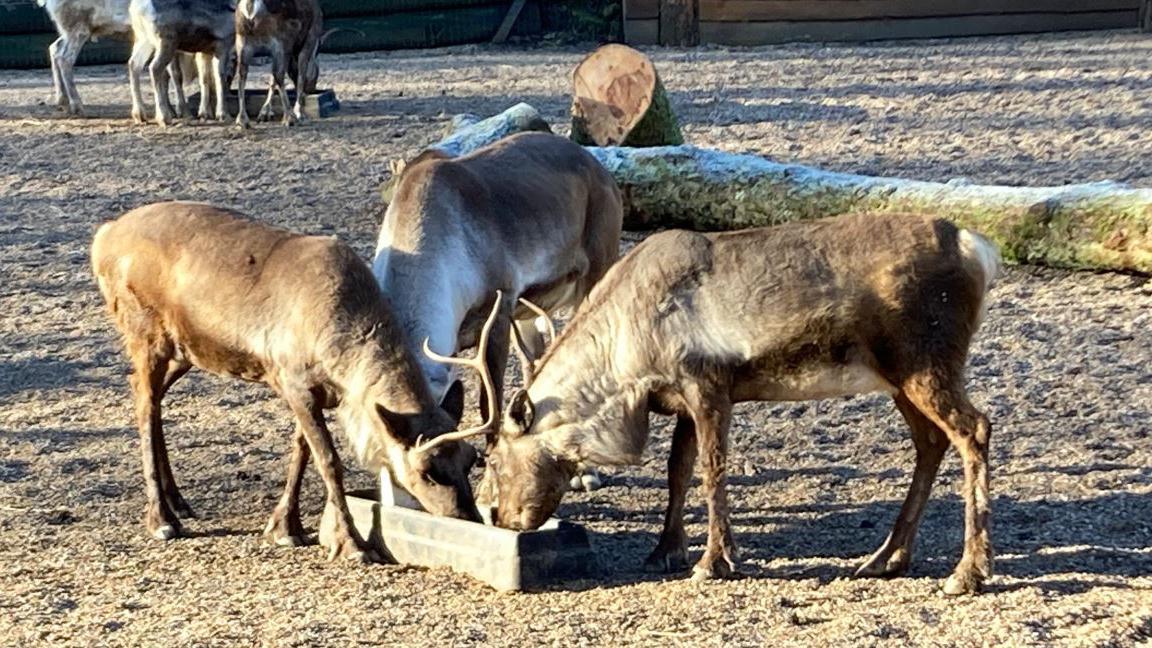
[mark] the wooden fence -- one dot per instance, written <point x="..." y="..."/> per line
<point x="758" y="22"/>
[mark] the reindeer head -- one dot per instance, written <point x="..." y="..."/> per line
<point x="437" y="477"/>
<point x="251" y="9"/>
<point x="529" y="478"/>
<point x="447" y="450"/>
<point x="523" y="479"/>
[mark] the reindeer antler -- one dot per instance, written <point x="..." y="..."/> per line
<point x="478" y="363"/>
<point x="542" y="313"/>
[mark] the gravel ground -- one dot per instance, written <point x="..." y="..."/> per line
<point x="1063" y="366"/>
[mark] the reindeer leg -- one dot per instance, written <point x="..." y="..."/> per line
<point x="219" y="82"/>
<point x="284" y="528"/>
<point x="65" y="60"/>
<point x="278" y="72"/>
<point x="671" y="553"/>
<point x="177" y="74"/>
<point x="943" y="401"/>
<point x="172" y="496"/>
<point x="711" y="417"/>
<point x="55" y="50"/>
<point x="346" y="540"/>
<point x="150" y="364"/>
<point x="243" y="60"/>
<point x="529" y="347"/>
<point x="158" y="69"/>
<point x="141" y="52"/>
<point x="204" y="79"/>
<point x="894" y="556"/>
<point x="265" y="113"/>
<point x="303" y="62"/>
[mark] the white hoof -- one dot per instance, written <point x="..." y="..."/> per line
<point x="587" y="482"/>
<point x="164" y="532"/>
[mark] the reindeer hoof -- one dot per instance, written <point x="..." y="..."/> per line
<point x="165" y="532"/>
<point x="960" y="584"/>
<point x="289" y="541"/>
<point x="714" y="568"/>
<point x="352" y="550"/>
<point x="586" y="482"/>
<point x="881" y="566"/>
<point x="666" y="562"/>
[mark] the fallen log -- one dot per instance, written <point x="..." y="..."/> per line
<point x="1099" y="226"/>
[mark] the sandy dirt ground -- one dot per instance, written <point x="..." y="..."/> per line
<point x="1063" y="366"/>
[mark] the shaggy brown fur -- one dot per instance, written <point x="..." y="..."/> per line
<point x="691" y="323"/>
<point x="194" y="285"/>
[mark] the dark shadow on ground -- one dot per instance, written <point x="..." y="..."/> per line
<point x="1102" y="537"/>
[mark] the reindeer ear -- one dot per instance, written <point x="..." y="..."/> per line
<point x="399" y="425"/>
<point x="520" y="414"/>
<point x="453" y="402"/>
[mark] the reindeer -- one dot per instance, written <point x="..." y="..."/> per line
<point x="77" y="21"/>
<point x="163" y="28"/>
<point x="190" y="284"/>
<point x="533" y="215"/>
<point x="291" y="30"/>
<point x="689" y="324"/>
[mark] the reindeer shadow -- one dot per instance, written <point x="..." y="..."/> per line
<point x="1036" y="541"/>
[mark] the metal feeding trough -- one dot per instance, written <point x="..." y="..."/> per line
<point x="316" y="105"/>
<point x="393" y="524"/>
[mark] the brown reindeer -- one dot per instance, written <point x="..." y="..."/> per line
<point x="291" y="30"/>
<point x="691" y="323"/>
<point x="190" y="284"/>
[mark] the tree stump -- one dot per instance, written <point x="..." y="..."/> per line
<point x="618" y="100"/>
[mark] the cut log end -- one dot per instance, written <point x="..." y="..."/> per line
<point x="617" y="99"/>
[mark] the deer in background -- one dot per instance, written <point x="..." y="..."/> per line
<point x="534" y="216"/>
<point x="77" y="21"/>
<point x="689" y="324"/>
<point x="190" y="284"/>
<point x="291" y="31"/>
<point x="163" y="28"/>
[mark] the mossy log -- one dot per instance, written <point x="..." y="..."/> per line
<point x="1100" y="226"/>
<point x="1103" y="225"/>
<point x="618" y="100"/>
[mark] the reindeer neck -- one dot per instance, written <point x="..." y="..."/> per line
<point x="377" y="372"/>
<point x="425" y="299"/>
<point x="589" y="407"/>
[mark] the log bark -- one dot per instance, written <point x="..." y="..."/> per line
<point x="618" y="100"/>
<point x="1098" y="226"/>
